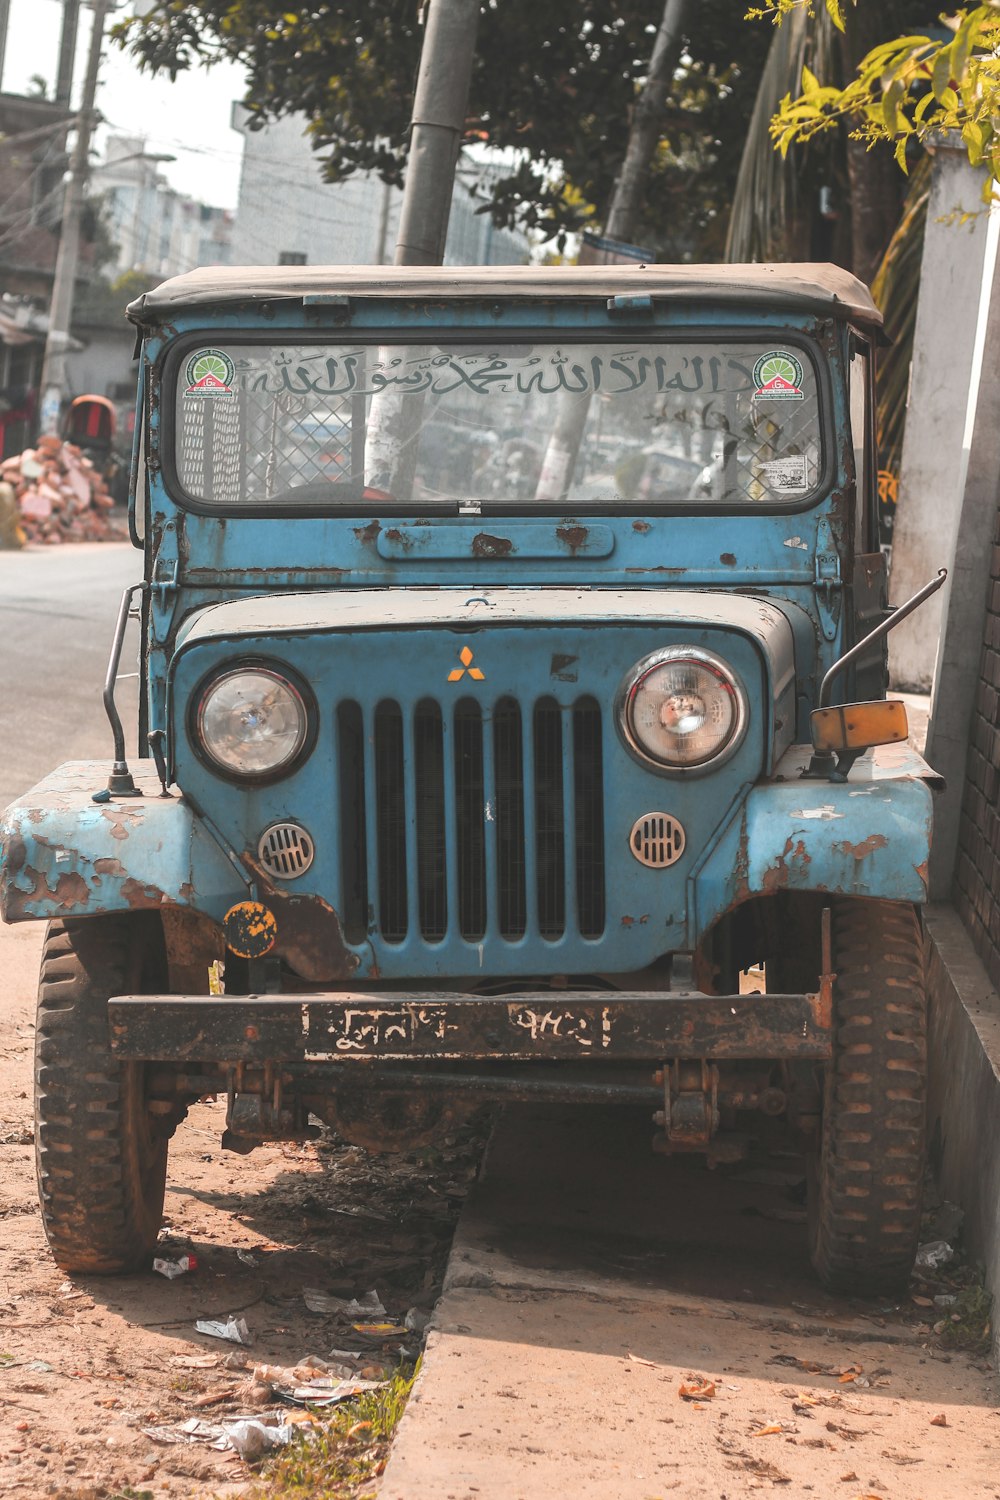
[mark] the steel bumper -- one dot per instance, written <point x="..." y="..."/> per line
<point x="618" y="1026"/>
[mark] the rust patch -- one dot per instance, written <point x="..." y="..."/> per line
<point x="742" y="868"/>
<point x="575" y="537"/>
<point x="778" y="876"/>
<point x="250" y="928"/>
<point x="867" y="846"/>
<point x="71" y="890"/>
<point x="669" y="572"/>
<point x="636" y="921"/>
<point x="119" y="818"/>
<point x="141" y="897"/>
<point x="15" y="854"/>
<point x="109" y="866"/>
<point x="399" y="538"/>
<point x="728" y="559"/>
<point x="193" y="942"/>
<point x="366" y="535"/>
<point x="485" y="545"/>
<point x="311" y="938"/>
<point x="641" y="526"/>
<point x="923" y="874"/>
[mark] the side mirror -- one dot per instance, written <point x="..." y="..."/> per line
<point x="849" y="729"/>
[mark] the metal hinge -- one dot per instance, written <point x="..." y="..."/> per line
<point x="828" y="583"/>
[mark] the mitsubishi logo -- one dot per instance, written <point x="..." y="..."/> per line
<point x="465" y="656"/>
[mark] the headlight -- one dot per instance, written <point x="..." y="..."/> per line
<point x="252" y="722"/>
<point x="682" y="709"/>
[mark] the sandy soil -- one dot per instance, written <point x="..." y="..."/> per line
<point x="86" y="1364"/>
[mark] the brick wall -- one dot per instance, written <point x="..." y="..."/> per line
<point x="977" y="868"/>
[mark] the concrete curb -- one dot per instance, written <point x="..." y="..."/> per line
<point x="964" y="1103"/>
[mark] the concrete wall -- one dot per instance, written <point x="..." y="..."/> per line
<point x="956" y="257"/>
<point x="964" y="1106"/>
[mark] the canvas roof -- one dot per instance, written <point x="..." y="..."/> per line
<point x="793" y="287"/>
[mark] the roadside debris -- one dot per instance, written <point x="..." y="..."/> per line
<point x="234" y="1329"/>
<point x="60" y="495"/>
<point x="696" y="1388"/>
<point x="368" y="1306"/>
<point x="932" y="1256"/>
<point x="171" y="1269"/>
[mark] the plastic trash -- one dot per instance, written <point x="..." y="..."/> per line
<point x="945" y="1299"/>
<point x="933" y="1255"/>
<point x="233" y="1329"/>
<point x="368" y="1306"/>
<point x="252" y="1438"/>
<point x="171" y="1269"/>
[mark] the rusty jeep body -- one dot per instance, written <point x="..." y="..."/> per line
<point x="509" y="691"/>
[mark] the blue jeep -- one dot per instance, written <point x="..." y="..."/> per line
<point x="513" y="682"/>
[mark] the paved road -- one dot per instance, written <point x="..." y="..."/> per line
<point x="57" y="615"/>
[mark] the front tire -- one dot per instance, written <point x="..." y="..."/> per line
<point x="100" y="1155"/>
<point x="865" y="1189"/>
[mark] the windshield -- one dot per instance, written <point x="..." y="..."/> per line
<point x="476" y="426"/>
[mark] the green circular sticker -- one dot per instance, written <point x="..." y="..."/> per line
<point x="777" y="376"/>
<point x="210" y="372"/>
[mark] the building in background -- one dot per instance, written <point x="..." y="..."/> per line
<point x="156" y="229"/>
<point x="288" y="216"/>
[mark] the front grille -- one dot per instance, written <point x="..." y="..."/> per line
<point x="471" y="822"/>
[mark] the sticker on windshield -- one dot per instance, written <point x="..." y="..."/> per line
<point x="210" y="372"/>
<point x="788" y="475"/>
<point x="777" y="376"/>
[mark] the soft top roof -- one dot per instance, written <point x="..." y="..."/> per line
<point x="798" y="288"/>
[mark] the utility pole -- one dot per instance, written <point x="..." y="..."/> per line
<point x="439" y="111"/>
<point x="647" y="124"/>
<point x="53" y="379"/>
<point x="572" y="411"/>
<point x="67" y="51"/>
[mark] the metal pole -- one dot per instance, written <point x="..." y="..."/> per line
<point x="4" y="23"/>
<point x="67" y="51"/>
<point x="53" y="379"/>
<point x="439" y="110"/>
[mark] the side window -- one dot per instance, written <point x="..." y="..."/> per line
<point x="863" y="442"/>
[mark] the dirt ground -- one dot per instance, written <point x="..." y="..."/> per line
<point x="86" y="1364"/>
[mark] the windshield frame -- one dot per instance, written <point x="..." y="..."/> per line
<point x="162" y="388"/>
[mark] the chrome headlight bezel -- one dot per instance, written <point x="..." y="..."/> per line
<point x="291" y="682"/>
<point x="625" y="701"/>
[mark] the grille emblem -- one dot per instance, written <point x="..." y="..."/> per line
<point x="456" y="674"/>
<point x="657" y="839"/>
<point x="285" y="850"/>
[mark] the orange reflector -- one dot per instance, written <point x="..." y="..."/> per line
<point x="250" y="929"/>
<point x="855" y="726"/>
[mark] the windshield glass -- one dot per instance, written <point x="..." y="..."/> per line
<point x="467" y="426"/>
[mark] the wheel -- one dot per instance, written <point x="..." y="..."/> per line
<point x="867" y="1176"/>
<point x="101" y="1156"/>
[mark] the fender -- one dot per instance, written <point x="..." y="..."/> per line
<point x="869" y="836"/>
<point x="64" y="855"/>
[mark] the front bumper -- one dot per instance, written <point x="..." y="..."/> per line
<point x="546" y="1026"/>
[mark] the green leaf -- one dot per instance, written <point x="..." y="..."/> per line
<point x="941" y="75"/>
<point x="835" y="11"/>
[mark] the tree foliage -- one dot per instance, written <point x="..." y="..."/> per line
<point x="553" y="88"/>
<point x="910" y="89"/>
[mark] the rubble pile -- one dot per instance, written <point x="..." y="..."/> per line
<point x="59" y="496"/>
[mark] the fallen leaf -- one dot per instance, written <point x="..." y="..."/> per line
<point x="772" y="1427"/>
<point x="358" y="1427"/>
<point x="849" y="1478"/>
<point x="895" y="1457"/>
<point x="195" y="1361"/>
<point x="635" y="1360"/>
<point x="940" y="1420"/>
<point x="696" y="1390"/>
<point x="922" y="1301"/>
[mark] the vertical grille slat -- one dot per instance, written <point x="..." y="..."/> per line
<point x="431" y="820"/>
<point x="588" y="801"/>
<point x="508" y="760"/>
<point x="354" y="817"/>
<point x="471" y="822"/>
<point x="549" y="828"/>
<point x="470" y="797"/>
<point x="390" y="808"/>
